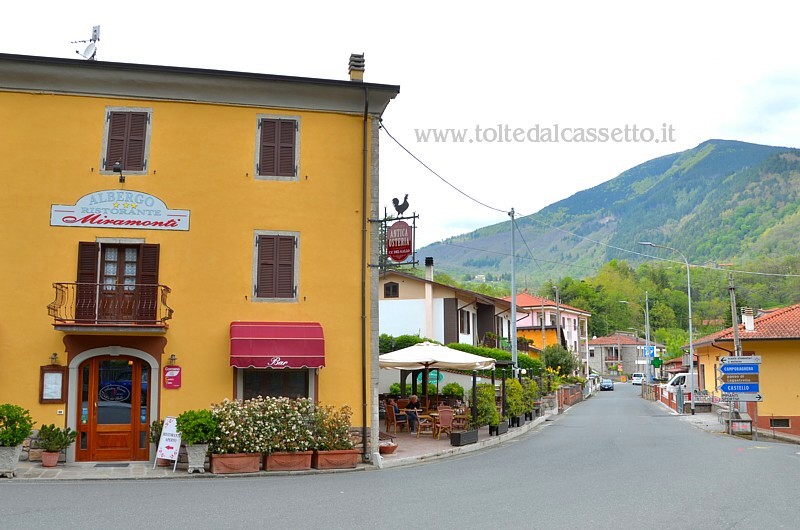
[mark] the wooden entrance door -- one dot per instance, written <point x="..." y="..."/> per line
<point x="113" y="409"/>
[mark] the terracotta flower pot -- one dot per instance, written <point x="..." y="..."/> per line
<point x="50" y="459"/>
<point x="387" y="449"/>
<point x="296" y="461"/>
<point x="335" y="459"/>
<point x="236" y="463"/>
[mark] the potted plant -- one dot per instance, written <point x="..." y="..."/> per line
<point x="287" y="429"/>
<point x="453" y="392"/>
<point x="197" y="428"/>
<point x="530" y="397"/>
<point x="487" y="408"/>
<point x="53" y="440"/>
<point x="515" y="402"/>
<point x="333" y="445"/>
<point x="236" y="447"/>
<point x="16" y="424"/>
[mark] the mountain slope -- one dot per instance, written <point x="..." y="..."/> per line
<point x="721" y="201"/>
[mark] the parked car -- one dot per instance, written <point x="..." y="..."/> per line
<point x="637" y="378"/>
<point x="606" y="384"/>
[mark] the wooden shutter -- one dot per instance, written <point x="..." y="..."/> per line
<point x="275" y="267"/>
<point x="277" y="148"/>
<point x="286" y="137"/>
<point x="127" y="132"/>
<point x="86" y="290"/>
<point x="147" y="291"/>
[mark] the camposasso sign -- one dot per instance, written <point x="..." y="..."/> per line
<point x="119" y="209"/>
<point x="398" y="241"/>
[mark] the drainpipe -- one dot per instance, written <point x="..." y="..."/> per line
<point x="364" y="271"/>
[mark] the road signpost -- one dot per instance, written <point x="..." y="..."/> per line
<point x="729" y="397"/>
<point x="743" y="359"/>
<point x="739" y="378"/>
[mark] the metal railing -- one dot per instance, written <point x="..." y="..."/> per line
<point x="110" y="304"/>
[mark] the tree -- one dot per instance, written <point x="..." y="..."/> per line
<point x="557" y="358"/>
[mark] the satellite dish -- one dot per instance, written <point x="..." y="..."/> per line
<point x="89" y="52"/>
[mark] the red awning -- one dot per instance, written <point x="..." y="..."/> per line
<point x="277" y="345"/>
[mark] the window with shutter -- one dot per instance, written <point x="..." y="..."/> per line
<point x="276" y="266"/>
<point x="276" y="152"/>
<point x="126" y="140"/>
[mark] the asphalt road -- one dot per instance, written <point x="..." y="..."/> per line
<point x="614" y="461"/>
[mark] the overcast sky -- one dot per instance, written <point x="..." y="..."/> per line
<point x="703" y="70"/>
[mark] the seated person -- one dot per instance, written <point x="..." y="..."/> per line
<point x="411" y="411"/>
<point x="397" y="414"/>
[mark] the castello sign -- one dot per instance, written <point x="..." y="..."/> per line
<point x="398" y="241"/>
<point x="119" y="209"/>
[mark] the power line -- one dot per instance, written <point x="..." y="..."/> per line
<point x="437" y="174"/>
<point x="530" y="216"/>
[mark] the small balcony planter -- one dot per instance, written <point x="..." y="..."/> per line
<point x="235" y="463"/>
<point x="335" y="459"/>
<point x="459" y="438"/>
<point x="288" y="461"/>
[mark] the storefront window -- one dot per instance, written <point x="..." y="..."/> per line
<point x="275" y="383"/>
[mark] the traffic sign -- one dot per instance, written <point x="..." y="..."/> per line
<point x="749" y="359"/>
<point x="739" y="387"/>
<point x="739" y="378"/>
<point x="739" y="368"/>
<point x="732" y="396"/>
<point x="649" y="351"/>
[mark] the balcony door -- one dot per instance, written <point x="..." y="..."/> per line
<point x="114" y="409"/>
<point x="119" y="267"/>
<point x="117" y="283"/>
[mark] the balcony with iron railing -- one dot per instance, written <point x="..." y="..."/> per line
<point x="86" y="307"/>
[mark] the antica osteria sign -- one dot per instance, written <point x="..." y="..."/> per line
<point x="119" y="209"/>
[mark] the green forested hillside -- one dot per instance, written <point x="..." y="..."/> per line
<point x="723" y="201"/>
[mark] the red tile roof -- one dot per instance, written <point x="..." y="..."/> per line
<point x="775" y="325"/>
<point x="531" y="301"/>
<point x="623" y="339"/>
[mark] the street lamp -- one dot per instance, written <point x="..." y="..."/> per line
<point x="689" y="294"/>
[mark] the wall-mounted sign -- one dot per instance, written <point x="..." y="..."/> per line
<point x="399" y="244"/>
<point x="119" y="209"/>
<point x="172" y="376"/>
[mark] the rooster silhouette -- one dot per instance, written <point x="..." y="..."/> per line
<point x="400" y="208"/>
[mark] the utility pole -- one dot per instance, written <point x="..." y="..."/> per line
<point x="513" y="337"/>
<point x="647" y="337"/>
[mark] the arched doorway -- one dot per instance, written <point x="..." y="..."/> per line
<point x="113" y="408"/>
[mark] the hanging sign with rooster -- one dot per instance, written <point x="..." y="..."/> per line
<point x="399" y="243"/>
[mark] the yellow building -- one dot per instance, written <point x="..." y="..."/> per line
<point x="775" y="337"/>
<point x="179" y="236"/>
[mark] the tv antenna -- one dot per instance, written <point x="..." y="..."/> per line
<point x="91" y="49"/>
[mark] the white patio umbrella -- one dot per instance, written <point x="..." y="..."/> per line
<point x="424" y="355"/>
<point x="427" y="354"/>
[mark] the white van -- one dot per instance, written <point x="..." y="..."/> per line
<point x="682" y="380"/>
<point x="637" y="378"/>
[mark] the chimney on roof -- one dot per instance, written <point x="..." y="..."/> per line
<point x="356" y="68"/>
<point x="429" y="268"/>
<point x="748" y="319"/>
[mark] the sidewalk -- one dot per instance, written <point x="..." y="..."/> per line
<point x="410" y="450"/>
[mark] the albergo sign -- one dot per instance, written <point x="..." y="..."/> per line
<point x="398" y="241"/>
<point x="119" y="209"/>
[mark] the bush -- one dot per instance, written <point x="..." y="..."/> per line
<point x="16" y="424"/>
<point x="54" y="439"/>
<point x="453" y="390"/>
<point x="196" y="426"/>
<point x="487" y="408"/>
<point x="514" y="398"/>
<point x="562" y="361"/>
<point x="332" y="428"/>
<point x="530" y="394"/>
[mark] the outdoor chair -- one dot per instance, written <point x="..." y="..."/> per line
<point x="425" y="425"/>
<point x="393" y="420"/>
<point x="445" y="423"/>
